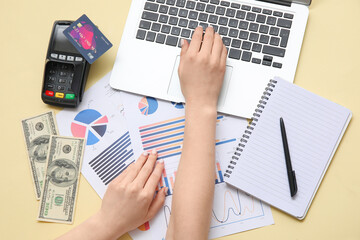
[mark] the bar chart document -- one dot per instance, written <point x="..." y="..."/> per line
<point x="158" y="124"/>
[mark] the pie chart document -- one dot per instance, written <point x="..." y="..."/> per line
<point x="100" y="120"/>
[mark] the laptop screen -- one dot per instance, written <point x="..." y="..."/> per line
<point x="304" y="2"/>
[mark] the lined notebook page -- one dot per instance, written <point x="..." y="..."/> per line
<point x="314" y="126"/>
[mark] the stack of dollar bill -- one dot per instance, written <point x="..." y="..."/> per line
<point x="55" y="164"/>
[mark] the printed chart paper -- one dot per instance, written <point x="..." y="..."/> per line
<point x="99" y="119"/>
<point x="116" y="136"/>
<point x="159" y="124"/>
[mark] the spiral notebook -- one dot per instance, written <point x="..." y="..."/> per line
<point x="314" y="128"/>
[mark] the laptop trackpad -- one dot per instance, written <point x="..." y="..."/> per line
<point x="174" y="89"/>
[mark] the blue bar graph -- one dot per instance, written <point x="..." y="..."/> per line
<point x="114" y="159"/>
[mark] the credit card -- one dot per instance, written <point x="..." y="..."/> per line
<point x="87" y="39"/>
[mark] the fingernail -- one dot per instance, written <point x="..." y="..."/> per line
<point x="153" y="151"/>
<point x="200" y="26"/>
<point x="161" y="161"/>
<point x="181" y="42"/>
<point x="145" y="153"/>
<point x="210" y="26"/>
<point x="166" y="190"/>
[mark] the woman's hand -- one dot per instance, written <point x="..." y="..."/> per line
<point x="202" y="68"/>
<point x="129" y="200"/>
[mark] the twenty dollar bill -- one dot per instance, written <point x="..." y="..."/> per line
<point x="37" y="131"/>
<point x="61" y="180"/>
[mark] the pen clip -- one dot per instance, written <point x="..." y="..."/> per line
<point x="294" y="190"/>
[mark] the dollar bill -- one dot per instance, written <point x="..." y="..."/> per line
<point x="37" y="131"/>
<point x="61" y="181"/>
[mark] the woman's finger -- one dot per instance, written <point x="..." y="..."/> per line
<point x="157" y="203"/>
<point x="122" y="175"/>
<point x="196" y="41"/>
<point x="184" y="47"/>
<point x="135" y="169"/>
<point x="208" y="41"/>
<point x="217" y="47"/>
<point x="154" y="178"/>
<point x="223" y="57"/>
<point x="146" y="170"/>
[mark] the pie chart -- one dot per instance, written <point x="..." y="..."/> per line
<point x="89" y="124"/>
<point x="148" y="105"/>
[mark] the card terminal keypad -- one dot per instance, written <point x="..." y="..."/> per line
<point x="60" y="77"/>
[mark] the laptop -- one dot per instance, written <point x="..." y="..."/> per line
<point x="263" y="39"/>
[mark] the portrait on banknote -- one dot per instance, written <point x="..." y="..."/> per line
<point x="39" y="148"/>
<point x="62" y="172"/>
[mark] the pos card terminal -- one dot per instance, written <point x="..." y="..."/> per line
<point x="66" y="70"/>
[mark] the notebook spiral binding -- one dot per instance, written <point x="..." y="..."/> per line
<point x="245" y="137"/>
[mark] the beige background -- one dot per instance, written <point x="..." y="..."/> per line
<point x="329" y="66"/>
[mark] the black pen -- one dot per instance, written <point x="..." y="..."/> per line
<point x="290" y="171"/>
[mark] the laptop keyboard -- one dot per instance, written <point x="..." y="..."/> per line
<point x="250" y="33"/>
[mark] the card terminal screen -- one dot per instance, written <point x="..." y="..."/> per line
<point x="61" y="43"/>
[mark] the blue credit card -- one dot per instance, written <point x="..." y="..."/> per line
<point x="87" y="39"/>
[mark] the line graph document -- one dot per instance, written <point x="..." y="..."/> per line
<point x="154" y="123"/>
